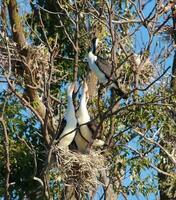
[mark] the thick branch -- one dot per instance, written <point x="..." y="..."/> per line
<point x="4" y="16"/>
<point x="31" y="93"/>
<point x="16" y="25"/>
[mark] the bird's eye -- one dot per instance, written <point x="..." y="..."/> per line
<point x="85" y="59"/>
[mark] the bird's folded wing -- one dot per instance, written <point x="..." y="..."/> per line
<point x="61" y="128"/>
<point x="93" y="128"/>
<point x="105" y="66"/>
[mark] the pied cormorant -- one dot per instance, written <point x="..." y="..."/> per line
<point x="86" y="135"/>
<point x="68" y="125"/>
<point x="103" y="69"/>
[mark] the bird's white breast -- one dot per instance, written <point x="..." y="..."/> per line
<point x="83" y="117"/>
<point x="68" y="133"/>
<point x="91" y="60"/>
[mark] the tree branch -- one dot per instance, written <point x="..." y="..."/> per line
<point x="16" y="25"/>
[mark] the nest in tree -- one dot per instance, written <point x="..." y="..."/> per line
<point x="137" y="72"/>
<point x="31" y="61"/>
<point x="143" y="70"/>
<point x="39" y="64"/>
<point x="78" y="170"/>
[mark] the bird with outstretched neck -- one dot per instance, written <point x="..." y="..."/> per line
<point x="85" y="138"/>
<point x="68" y="125"/>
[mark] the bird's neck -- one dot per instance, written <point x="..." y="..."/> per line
<point x="94" y="51"/>
<point x="70" y="107"/>
<point x="83" y="102"/>
<point x="94" y="48"/>
<point x="83" y="108"/>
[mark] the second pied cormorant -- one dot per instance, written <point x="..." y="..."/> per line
<point x="68" y="125"/>
<point x="87" y="133"/>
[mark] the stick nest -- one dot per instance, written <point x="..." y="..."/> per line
<point x="137" y="72"/>
<point x="78" y="170"/>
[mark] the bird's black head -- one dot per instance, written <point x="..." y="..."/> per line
<point x="94" y="44"/>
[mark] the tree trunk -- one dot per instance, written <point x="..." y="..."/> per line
<point x="31" y="95"/>
<point x="16" y="25"/>
<point x="164" y="165"/>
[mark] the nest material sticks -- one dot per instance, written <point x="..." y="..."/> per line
<point x="79" y="170"/>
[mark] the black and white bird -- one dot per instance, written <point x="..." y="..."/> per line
<point x="68" y="125"/>
<point x="103" y="69"/>
<point x="87" y="132"/>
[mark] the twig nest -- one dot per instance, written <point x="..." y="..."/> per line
<point x="143" y="70"/>
<point x="39" y="64"/>
<point x="138" y="71"/>
<point x="78" y="170"/>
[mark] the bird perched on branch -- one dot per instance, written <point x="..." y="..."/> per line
<point x="87" y="128"/>
<point x="103" y="69"/>
<point x="68" y="125"/>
